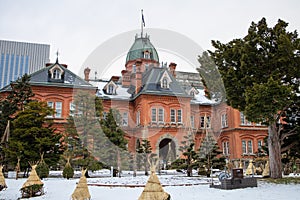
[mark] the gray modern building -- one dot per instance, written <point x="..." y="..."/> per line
<point x="18" y="58"/>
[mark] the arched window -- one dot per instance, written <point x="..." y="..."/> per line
<point x="165" y="83"/>
<point x="110" y="89"/>
<point x="56" y="74"/>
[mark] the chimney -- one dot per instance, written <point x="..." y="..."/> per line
<point x="138" y="76"/>
<point x="87" y="74"/>
<point x="172" y="68"/>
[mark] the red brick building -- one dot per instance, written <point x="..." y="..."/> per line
<point x="56" y="85"/>
<point x="162" y="107"/>
<point x="156" y="102"/>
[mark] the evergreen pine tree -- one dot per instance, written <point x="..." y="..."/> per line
<point x="188" y="151"/>
<point x="116" y="139"/>
<point x="31" y="135"/>
<point x="259" y="72"/>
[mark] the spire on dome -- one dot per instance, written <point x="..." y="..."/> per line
<point x="57" y="53"/>
<point x="142" y="23"/>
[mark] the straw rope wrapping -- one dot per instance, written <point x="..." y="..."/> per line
<point x="2" y="180"/>
<point x="153" y="189"/>
<point x="33" y="186"/>
<point x="81" y="191"/>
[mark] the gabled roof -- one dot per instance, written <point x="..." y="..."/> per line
<point x="151" y="83"/>
<point x="69" y="79"/>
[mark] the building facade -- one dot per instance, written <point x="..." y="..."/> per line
<point x="18" y="58"/>
<point x="164" y="106"/>
<point x="56" y="85"/>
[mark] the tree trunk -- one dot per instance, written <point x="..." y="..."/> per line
<point x="274" y="152"/>
<point x="119" y="162"/>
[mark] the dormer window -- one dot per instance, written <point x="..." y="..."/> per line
<point x="56" y="74"/>
<point x="193" y="92"/>
<point x="146" y="55"/>
<point x="110" y="89"/>
<point x="165" y="80"/>
<point x="164" y="83"/>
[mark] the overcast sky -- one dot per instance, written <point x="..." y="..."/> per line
<point x="77" y="27"/>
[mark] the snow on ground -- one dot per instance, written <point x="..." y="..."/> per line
<point x="62" y="189"/>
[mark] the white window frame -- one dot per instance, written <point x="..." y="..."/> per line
<point x="244" y="120"/>
<point x="244" y="147"/>
<point x="58" y="109"/>
<point x="72" y="109"/>
<point x="250" y="146"/>
<point x="173" y="115"/>
<point x="125" y="119"/>
<point x="202" y="122"/>
<point x="161" y="115"/>
<point x="138" y="118"/>
<point x="260" y="144"/>
<point x="56" y="74"/>
<point x="153" y="115"/>
<point x="224" y="121"/>
<point x="165" y="83"/>
<point x="225" y="145"/>
<point x="247" y="146"/>
<point x="50" y="105"/>
<point x="111" y="89"/>
<point x="179" y="116"/>
<point x="192" y="121"/>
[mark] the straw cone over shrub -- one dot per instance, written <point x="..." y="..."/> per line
<point x="153" y="189"/>
<point x="33" y="186"/>
<point x="2" y="180"/>
<point x="81" y="191"/>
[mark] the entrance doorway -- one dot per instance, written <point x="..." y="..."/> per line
<point x="167" y="152"/>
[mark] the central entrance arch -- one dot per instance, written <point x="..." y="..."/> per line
<point x="167" y="151"/>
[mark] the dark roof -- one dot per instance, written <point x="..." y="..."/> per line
<point x="69" y="79"/>
<point x="151" y="83"/>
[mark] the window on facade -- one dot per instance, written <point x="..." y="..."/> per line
<point x="259" y="144"/>
<point x="165" y="83"/>
<point x="58" y="109"/>
<point x="133" y="68"/>
<point x="250" y="147"/>
<point x="192" y="121"/>
<point x="244" y="147"/>
<point x="110" y="89"/>
<point x="153" y="115"/>
<point x="173" y="115"/>
<point x="57" y="106"/>
<point x="56" y="74"/>
<point x="104" y="115"/>
<point x="224" y="121"/>
<point x="179" y="116"/>
<point x="205" y="120"/>
<point x="138" y="118"/>
<point x="50" y="105"/>
<point x="125" y="119"/>
<point x="160" y="115"/>
<point x="247" y="147"/>
<point x="146" y="55"/>
<point x="244" y="121"/>
<point x="225" y="148"/>
<point x="192" y="93"/>
<point x="72" y="109"/>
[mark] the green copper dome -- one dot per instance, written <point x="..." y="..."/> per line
<point x="138" y="49"/>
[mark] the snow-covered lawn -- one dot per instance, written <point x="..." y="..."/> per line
<point x="197" y="189"/>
